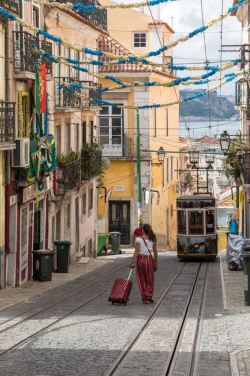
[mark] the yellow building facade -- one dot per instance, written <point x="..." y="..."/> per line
<point x="117" y="203"/>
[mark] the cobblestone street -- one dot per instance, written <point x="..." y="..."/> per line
<point x="73" y="330"/>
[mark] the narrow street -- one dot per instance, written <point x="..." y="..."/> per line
<point x="74" y="330"/>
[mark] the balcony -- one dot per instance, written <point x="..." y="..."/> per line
<point x="92" y="94"/>
<point x="124" y="150"/>
<point x="98" y="17"/>
<point x="241" y="93"/>
<point x="91" y="161"/>
<point x="25" y="56"/>
<point x="68" y="176"/>
<point x="11" y="5"/>
<point x="66" y="97"/>
<point x="7" y="125"/>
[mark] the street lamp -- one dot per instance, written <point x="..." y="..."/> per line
<point x="225" y="142"/>
<point x="194" y="158"/>
<point x="209" y="162"/>
<point x="161" y="154"/>
<point x="161" y="157"/>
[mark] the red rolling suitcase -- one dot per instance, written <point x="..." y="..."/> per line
<point x="121" y="290"/>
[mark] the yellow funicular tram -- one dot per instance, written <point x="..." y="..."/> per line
<point x="196" y="227"/>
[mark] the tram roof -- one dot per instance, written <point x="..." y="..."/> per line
<point x="196" y="197"/>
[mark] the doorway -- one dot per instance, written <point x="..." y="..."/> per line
<point x="11" y="260"/>
<point x="39" y="227"/>
<point x="119" y="219"/>
<point x="77" y="223"/>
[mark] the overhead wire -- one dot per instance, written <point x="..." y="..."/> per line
<point x="206" y="57"/>
<point x="221" y="56"/>
<point x="161" y="43"/>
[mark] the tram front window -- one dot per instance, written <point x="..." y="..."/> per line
<point x="182" y="222"/>
<point x="210" y="223"/>
<point x="195" y="223"/>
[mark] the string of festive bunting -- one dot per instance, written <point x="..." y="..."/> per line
<point x="91" y="8"/>
<point x="101" y="102"/>
<point x="121" y="58"/>
<point x="134" y="59"/>
<point x="197" y="80"/>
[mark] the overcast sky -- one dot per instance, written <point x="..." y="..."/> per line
<point x="185" y="16"/>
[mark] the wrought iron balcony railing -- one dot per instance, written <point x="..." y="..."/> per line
<point x="125" y="149"/>
<point x="66" y="96"/>
<point x="12" y="5"/>
<point x="25" y="56"/>
<point x="91" y="93"/>
<point x="68" y="177"/>
<point x="98" y="17"/>
<point x="7" y="122"/>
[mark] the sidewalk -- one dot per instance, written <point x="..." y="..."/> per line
<point x="233" y="300"/>
<point x="12" y="296"/>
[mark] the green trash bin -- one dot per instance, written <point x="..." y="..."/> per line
<point x="62" y="255"/>
<point x="101" y="241"/>
<point x="115" y="240"/>
<point x="42" y="265"/>
<point x="246" y="264"/>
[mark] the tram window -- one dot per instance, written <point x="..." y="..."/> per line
<point x="182" y="224"/>
<point x="210" y="223"/>
<point x="195" y="222"/>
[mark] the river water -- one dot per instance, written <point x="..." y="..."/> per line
<point x="201" y="128"/>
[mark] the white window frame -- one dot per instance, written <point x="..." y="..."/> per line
<point x="110" y="149"/>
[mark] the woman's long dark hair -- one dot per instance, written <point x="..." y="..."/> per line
<point x="147" y="229"/>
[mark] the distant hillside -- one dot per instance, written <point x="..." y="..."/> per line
<point x="197" y="109"/>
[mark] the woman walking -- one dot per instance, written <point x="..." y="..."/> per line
<point x="145" y="261"/>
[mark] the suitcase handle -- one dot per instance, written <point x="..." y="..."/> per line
<point x="129" y="276"/>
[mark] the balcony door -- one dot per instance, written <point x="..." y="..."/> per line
<point x="119" y="219"/>
<point x="111" y="131"/>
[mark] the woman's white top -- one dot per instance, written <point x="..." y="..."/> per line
<point x="143" y="251"/>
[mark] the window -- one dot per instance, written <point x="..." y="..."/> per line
<point x="167" y="134"/>
<point x="23" y="114"/>
<point x="58" y="137"/>
<point x="76" y="71"/>
<point x="91" y="124"/>
<point x="91" y="199"/>
<point x="140" y="40"/>
<point x="67" y="137"/>
<point x="111" y="126"/>
<point x="195" y="222"/>
<point x="177" y="167"/>
<point x="76" y="137"/>
<point x="35" y="16"/>
<point x="210" y="222"/>
<point x="67" y="211"/>
<point x="84" y="203"/>
<point x="172" y="167"/>
<point x="84" y="132"/>
<point x="182" y="222"/>
<point x="67" y="55"/>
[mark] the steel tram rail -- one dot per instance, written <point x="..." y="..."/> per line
<point x="47" y="307"/>
<point x="126" y="351"/>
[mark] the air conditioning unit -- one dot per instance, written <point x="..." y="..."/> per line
<point x="21" y="155"/>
